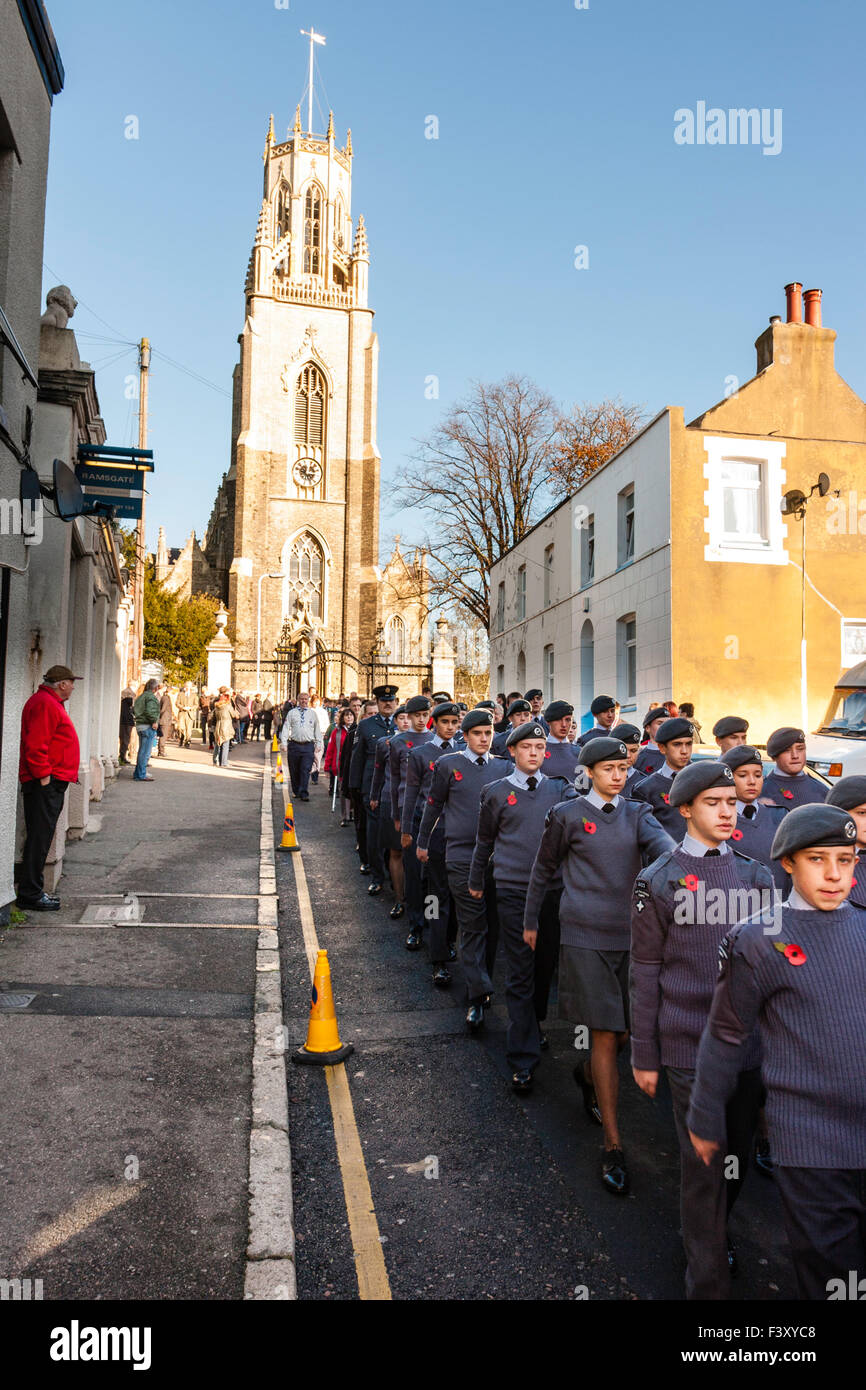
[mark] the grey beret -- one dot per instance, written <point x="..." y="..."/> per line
<point x="740" y="756"/>
<point x="602" y="703"/>
<point x="534" y="695"/>
<point x="599" y="750"/>
<point x="675" y="728"/>
<point x="655" y="713"/>
<point x="731" y="724"/>
<point x="477" y="719"/>
<point x="447" y="707"/>
<point x="847" y="793"/>
<point x="629" y="733"/>
<point x="814" y="826"/>
<point x="486" y="704"/>
<point x="419" y="704"/>
<point x="521" y="731"/>
<point x="558" y="709"/>
<point x="783" y="739"/>
<point x="699" y="777"/>
<point x="518" y="707"/>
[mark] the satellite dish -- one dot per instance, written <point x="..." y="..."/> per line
<point x="793" y="502"/>
<point x="823" y="484"/>
<point x="68" y="496"/>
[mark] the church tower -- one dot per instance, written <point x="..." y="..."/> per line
<point x="305" y="464"/>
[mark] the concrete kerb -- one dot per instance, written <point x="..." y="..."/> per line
<point x="270" y="1264"/>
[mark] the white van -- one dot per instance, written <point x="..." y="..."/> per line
<point x="838" y="748"/>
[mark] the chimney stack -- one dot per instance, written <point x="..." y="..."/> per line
<point x="813" y="307"/>
<point x="795" y="303"/>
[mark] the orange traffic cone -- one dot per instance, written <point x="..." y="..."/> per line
<point x="290" y="839"/>
<point x="275" y="746"/>
<point x="279" y="779"/>
<point x="323" y="1046"/>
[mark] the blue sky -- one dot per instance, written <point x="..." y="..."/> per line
<point x="556" y="130"/>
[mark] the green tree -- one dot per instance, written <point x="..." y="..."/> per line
<point x="177" y="632"/>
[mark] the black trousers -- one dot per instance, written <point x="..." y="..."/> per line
<point x="437" y="905"/>
<point x="546" y="950"/>
<point x="708" y="1192"/>
<point x="376" y="859"/>
<point x="479" y="930"/>
<point x="523" y="1042"/>
<point x="299" y="757"/>
<point x="825" y="1219"/>
<point x="267" y="721"/>
<point x="42" y="807"/>
<point x="360" y="823"/>
<point x="413" y="878"/>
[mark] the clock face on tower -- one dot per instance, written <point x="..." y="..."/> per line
<point x="307" y="473"/>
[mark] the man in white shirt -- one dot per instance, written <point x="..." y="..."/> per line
<point x="301" y="737"/>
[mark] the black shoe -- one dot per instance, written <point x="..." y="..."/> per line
<point x="613" y="1173"/>
<point x="315" y="779"/>
<point x="343" y="823"/>
<point x="590" y="1102"/>
<point x="733" y="1262"/>
<point x="374" y="889"/>
<point x="397" y="910"/>
<point x="763" y="1158"/>
<point x="475" y="1016"/>
<point x="543" y="1041"/>
<point x="304" y="796"/>
<point x="364" y="869"/>
<point x="44" y="903"/>
<point x="414" y="939"/>
<point x="521" y="1082"/>
<point x="452" y="952"/>
<point x="441" y="977"/>
<point x="486" y="1000"/>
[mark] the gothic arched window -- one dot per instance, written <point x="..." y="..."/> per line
<point x="310" y="408"/>
<point x="395" y="640"/>
<point x="282" y="211"/>
<point x="306" y="577"/>
<point x="313" y="231"/>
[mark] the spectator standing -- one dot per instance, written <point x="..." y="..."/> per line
<point x="165" y="720"/>
<point x="301" y="737"/>
<point x="687" y="711"/>
<point x="268" y="712"/>
<point x="255" y="716"/>
<point x="242" y="707"/>
<point x="186" y="705"/>
<point x="146" y="710"/>
<point x="223" y="727"/>
<point x="48" y="762"/>
<point x="127" y="723"/>
<point x="204" y="714"/>
<point x="334" y="758"/>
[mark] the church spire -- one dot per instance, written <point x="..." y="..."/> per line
<point x="361" y="251"/>
<point x="330" y="125"/>
<point x="349" y="143"/>
<point x="297" y="129"/>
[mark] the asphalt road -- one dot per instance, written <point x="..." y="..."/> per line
<point x="479" y="1194"/>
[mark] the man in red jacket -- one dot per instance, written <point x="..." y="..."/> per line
<point x="48" y="763"/>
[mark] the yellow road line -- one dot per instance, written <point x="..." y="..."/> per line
<point x="363" y="1226"/>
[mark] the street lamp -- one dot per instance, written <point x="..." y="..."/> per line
<point x="794" y="503"/>
<point x="262" y="578"/>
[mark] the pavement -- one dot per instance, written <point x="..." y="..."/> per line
<point x="126" y="1082"/>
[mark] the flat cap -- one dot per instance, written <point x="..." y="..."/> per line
<point x="730" y="724"/>
<point x="477" y="719"/>
<point x="534" y="695"/>
<point x="447" y="707"/>
<point x="518" y="707"/>
<point x="740" y="756"/>
<point x="847" y="793"/>
<point x="528" y="730"/>
<point x="600" y="750"/>
<point x="814" y="826"/>
<point x="602" y="703"/>
<point x="655" y="713"/>
<point x="558" y="709"/>
<point x="419" y="704"/>
<point x="674" y="728"/>
<point x="783" y="739"/>
<point x="385" y="692"/>
<point x="697" y="778"/>
<point x="60" y="673"/>
<point x="628" y="733"/>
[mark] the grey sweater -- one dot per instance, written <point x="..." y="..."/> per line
<point x="789" y="792"/>
<point x="419" y="775"/>
<point x="654" y="790"/>
<point x="601" y="855"/>
<point x="456" y="787"/>
<point x="675" y="949"/>
<point x="401" y="747"/>
<point x="511" y="823"/>
<point x="754" y="836"/>
<point x="812" y="1024"/>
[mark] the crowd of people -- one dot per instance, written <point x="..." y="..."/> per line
<point x="697" y="904"/>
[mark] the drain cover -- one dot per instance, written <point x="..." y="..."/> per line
<point x="8" y="1000"/>
<point x="126" y="910"/>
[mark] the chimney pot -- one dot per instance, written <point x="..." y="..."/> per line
<point x="775" y="318"/>
<point x="813" y="307"/>
<point x="794" y="293"/>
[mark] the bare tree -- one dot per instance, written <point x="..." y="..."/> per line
<point x="588" y="437"/>
<point x="482" y="477"/>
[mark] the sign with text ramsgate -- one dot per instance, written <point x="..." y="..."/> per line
<point x="113" y="478"/>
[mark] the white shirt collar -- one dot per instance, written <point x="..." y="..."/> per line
<point x="665" y="770"/>
<point x="439" y="742"/>
<point x="473" y="757"/>
<point x="791" y="776"/>
<point x="694" y="847"/>
<point x="599" y="802"/>
<point x="799" y="903"/>
<point x="652" y="746"/>
<point x="520" y="779"/>
<point x="741" y="806"/>
<point x="552" y="739"/>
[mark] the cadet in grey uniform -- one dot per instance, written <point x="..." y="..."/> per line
<point x="789" y="785"/>
<point x="650" y="758"/>
<point x="598" y="841"/>
<point x="380" y="801"/>
<point x="629" y="734"/>
<point x="560" y="759"/>
<point x="674" y="967"/>
<point x="418" y="709"/>
<point x="518" y="712"/>
<point x="420" y="767"/>
<point x="730" y="731"/>
<point x="361" y="773"/>
<point x="604" y="711"/>
<point x="850" y="794"/>
<point x="536" y="700"/>
<point x="676" y="740"/>
<point x="805" y="990"/>
<point x="757" y="822"/>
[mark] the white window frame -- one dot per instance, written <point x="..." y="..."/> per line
<point x="500" y="606"/>
<point x="549" y="560"/>
<point x="587" y="539"/>
<point x="625" y="540"/>
<point x="723" y="547"/>
<point x="521" y="593"/>
<point x="549" y="666"/>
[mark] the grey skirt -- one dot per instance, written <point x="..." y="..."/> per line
<point x="389" y="838"/>
<point x="593" y="988"/>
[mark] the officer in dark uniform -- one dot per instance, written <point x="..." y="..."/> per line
<point x="682" y="905"/>
<point x="675" y="739"/>
<point x="789" y="785"/>
<point x="603" y="710"/>
<point x="650" y="758"/>
<point x="804" y="987"/>
<point x="418" y="709"/>
<point x="536" y="700"/>
<point x="757" y="822"/>
<point x="361" y="773"/>
<point x="420" y="766"/>
<point x="380" y="800"/>
<point x="560" y="759"/>
<point x="518" y="712"/>
<point x="730" y="731"/>
<point x="850" y="794"/>
<point x="629" y="734"/>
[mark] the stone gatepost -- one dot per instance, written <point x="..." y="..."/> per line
<point x="219" y="655"/>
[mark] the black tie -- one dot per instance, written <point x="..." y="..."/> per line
<point x="608" y="808"/>
<point x="716" y="852"/>
<point x="479" y="762"/>
<point x="749" y="812"/>
<point x="532" y="783"/>
<point x="446" y="748"/>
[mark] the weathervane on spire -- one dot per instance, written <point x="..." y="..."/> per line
<point x="314" y="38"/>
